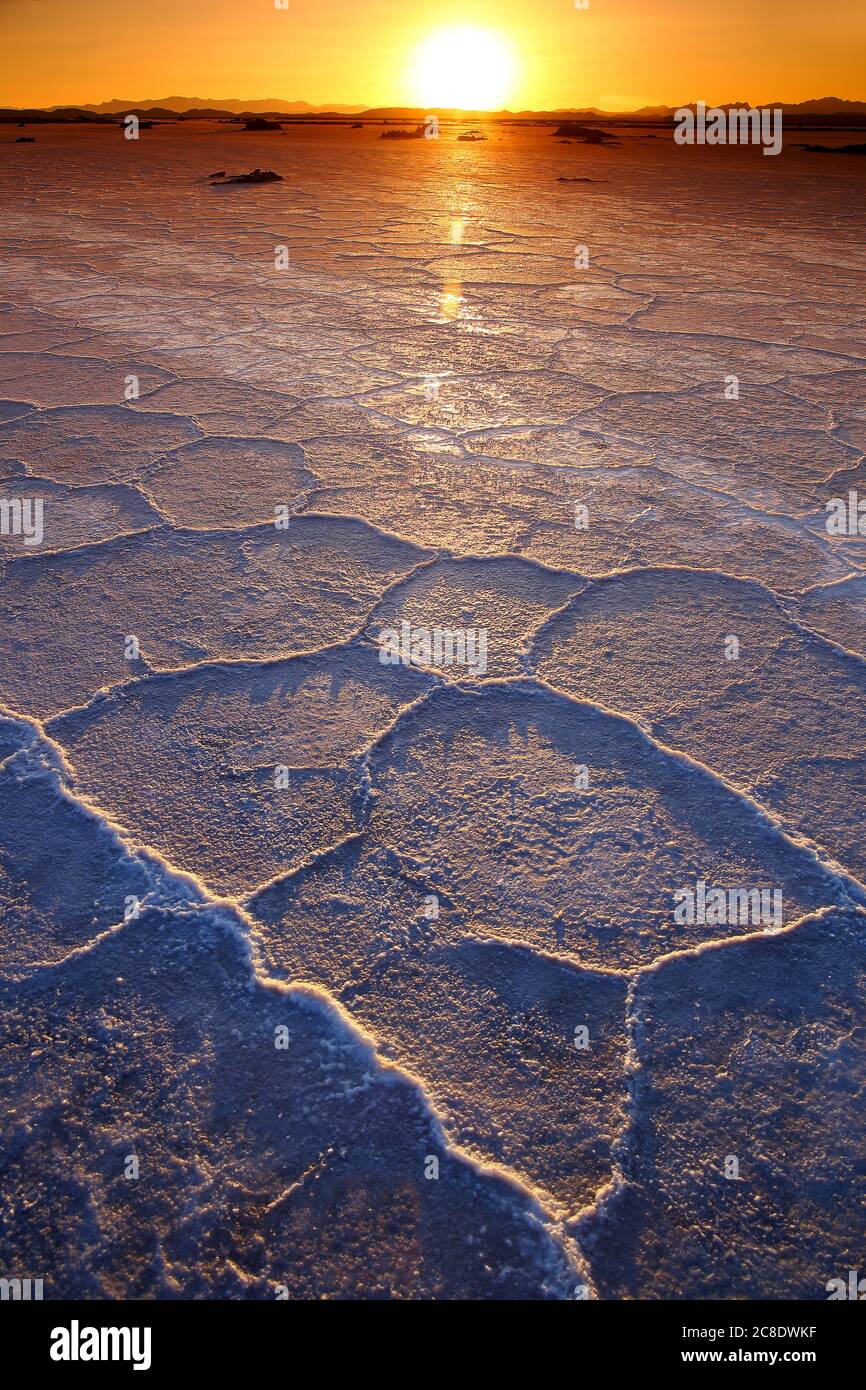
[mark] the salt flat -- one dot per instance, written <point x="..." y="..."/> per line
<point x="375" y="969"/>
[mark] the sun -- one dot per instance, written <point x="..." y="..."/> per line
<point x="464" y="66"/>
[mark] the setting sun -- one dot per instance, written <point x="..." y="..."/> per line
<point x="465" y="67"/>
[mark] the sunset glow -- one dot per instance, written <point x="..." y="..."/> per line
<point x="464" y="67"/>
<point x="526" y="54"/>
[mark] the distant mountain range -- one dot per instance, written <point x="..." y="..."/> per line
<point x="822" y="111"/>
<point x="183" y="104"/>
<point x="820" y="106"/>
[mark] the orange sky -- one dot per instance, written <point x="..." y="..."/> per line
<point x="616" y="54"/>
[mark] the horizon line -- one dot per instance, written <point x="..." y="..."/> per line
<point x="356" y="108"/>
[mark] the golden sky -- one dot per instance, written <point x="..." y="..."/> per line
<point x="544" y="54"/>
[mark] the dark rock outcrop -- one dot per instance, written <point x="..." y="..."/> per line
<point x="256" y="176"/>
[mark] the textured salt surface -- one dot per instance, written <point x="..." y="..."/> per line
<point x="429" y="901"/>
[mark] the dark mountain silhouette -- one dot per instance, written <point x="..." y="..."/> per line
<point x="818" y="113"/>
<point x="231" y="105"/>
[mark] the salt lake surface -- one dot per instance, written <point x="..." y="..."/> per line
<point x="327" y="977"/>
